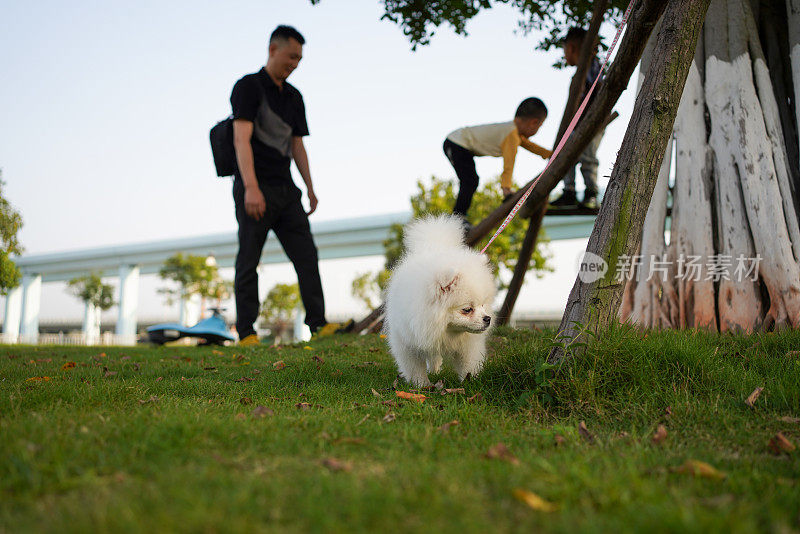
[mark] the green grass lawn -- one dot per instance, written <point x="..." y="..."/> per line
<point x="138" y="439"/>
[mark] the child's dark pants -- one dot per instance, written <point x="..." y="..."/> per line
<point x="463" y="162"/>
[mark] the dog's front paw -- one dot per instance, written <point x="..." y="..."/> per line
<point x="423" y="384"/>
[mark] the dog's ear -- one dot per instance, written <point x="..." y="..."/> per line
<point x="447" y="283"/>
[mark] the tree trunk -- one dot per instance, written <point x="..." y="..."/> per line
<point x="735" y="184"/>
<point x="595" y="298"/>
<point x="523" y="260"/>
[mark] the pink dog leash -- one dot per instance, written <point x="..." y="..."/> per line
<point x="567" y="133"/>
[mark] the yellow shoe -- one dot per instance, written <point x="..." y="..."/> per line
<point x="249" y="341"/>
<point x="327" y="330"/>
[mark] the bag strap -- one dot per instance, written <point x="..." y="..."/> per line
<point x="261" y="84"/>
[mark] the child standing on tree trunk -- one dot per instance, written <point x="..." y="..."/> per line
<point x="588" y="159"/>
<point x="497" y="140"/>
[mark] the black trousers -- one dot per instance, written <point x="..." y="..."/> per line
<point x="287" y="218"/>
<point x="463" y="161"/>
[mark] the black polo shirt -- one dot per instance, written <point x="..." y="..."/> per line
<point x="277" y="114"/>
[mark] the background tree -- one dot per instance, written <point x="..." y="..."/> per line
<point x="92" y="290"/>
<point x="194" y="275"/>
<point x="439" y="198"/>
<point x="220" y="290"/>
<point x="97" y="296"/>
<point x="10" y="225"/>
<point x="368" y="287"/>
<point x="279" y="309"/>
<point x="419" y="20"/>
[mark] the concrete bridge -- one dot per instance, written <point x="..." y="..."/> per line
<point x="345" y="238"/>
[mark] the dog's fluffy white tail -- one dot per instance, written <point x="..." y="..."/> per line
<point x="433" y="233"/>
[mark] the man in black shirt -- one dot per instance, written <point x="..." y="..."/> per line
<point x="268" y="129"/>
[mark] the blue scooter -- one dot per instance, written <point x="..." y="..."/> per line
<point x="212" y="331"/>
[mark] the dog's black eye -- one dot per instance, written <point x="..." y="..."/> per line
<point x="466" y="311"/>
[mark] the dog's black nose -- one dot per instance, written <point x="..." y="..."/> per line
<point x="487" y="319"/>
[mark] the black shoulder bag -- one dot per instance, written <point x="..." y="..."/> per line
<point x="221" y="137"/>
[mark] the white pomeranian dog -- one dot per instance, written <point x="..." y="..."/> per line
<point x="438" y="302"/>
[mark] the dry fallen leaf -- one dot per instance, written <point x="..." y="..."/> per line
<point x="439" y="385"/>
<point x="559" y="439"/>
<point x="246" y="400"/>
<point x="499" y="451"/>
<point x="336" y="465"/>
<point x="152" y="399"/>
<point x="375" y="393"/>
<point x="218" y="353"/>
<point x="699" y="469"/>
<point x="278" y="365"/>
<point x="389" y="417"/>
<point x="533" y="500"/>
<point x="67" y="366"/>
<point x="584" y="432"/>
<point x="416" y="397"/>
<point x="780" y="443"/>
<point x="453" y="391"/>
<point x="750" y="401"/>
<point x="241" y="416"/>
<point x="475" y="398"/>
<point x="302" y="406"/>
<point x="668" y="411"/>
<point x="262" y="411"/>
<point x="38" y="379"/>
<point x="788" y="419"/>
<point x="659" y="435"/>
<point x="396" y="382"/>
<point x="445" y="428"/>
<point x="363" y="419"/>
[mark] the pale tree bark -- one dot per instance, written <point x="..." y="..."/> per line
<point x="734" y="185"/>
<point x="793" y="22"/>
<point x="690" y="234"/>
<point x="593" y="304"/>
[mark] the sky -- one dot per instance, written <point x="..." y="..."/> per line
<point x="105" y="109"/>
